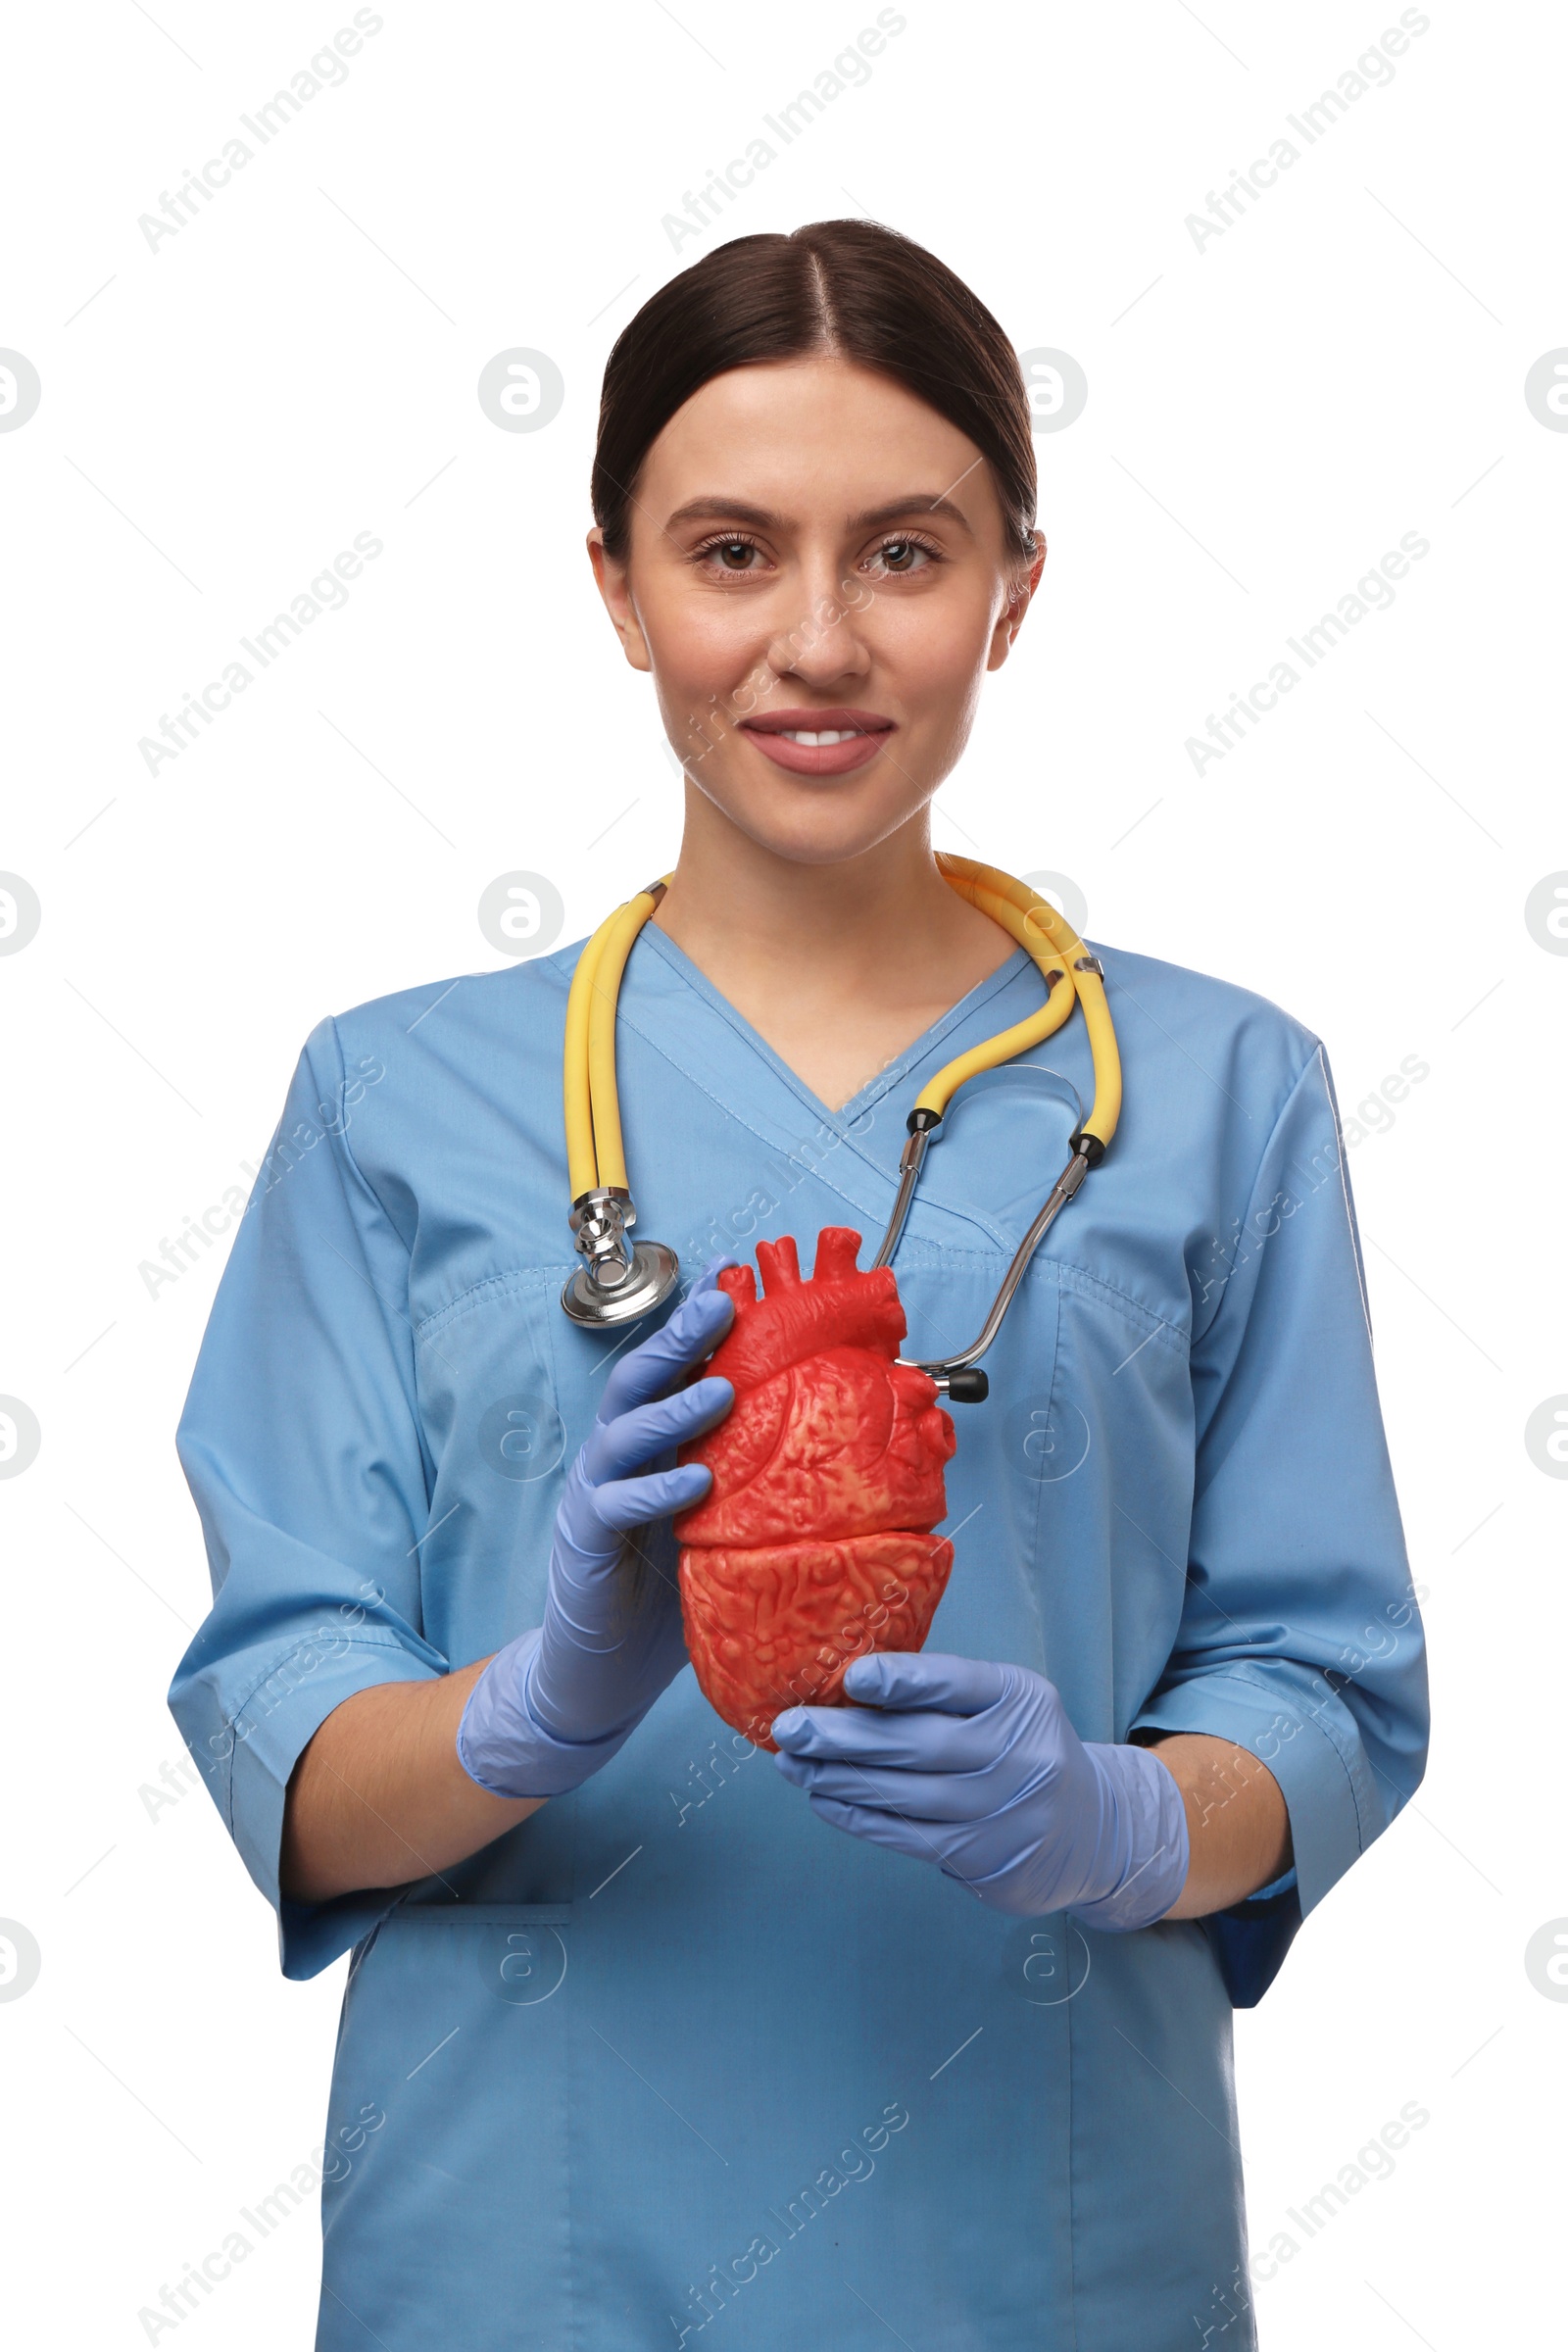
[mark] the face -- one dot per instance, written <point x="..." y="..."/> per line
<point x="819" y="578"/>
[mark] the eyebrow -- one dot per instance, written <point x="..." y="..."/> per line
<point x="762" y="519"/>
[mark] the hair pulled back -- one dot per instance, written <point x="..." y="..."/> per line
<point x="846" y="288"/>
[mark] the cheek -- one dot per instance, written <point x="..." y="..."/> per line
<point x="704" y="653"/>
<point x="933" y="650"/>
<point x="934" y="644"/>
<point x="703" y="637"/>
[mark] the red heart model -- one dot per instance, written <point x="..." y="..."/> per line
<point x="814" y="1543"/>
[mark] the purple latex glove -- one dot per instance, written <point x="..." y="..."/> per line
<point x="975" y="1767"/>
<point x="562" y="1699"/>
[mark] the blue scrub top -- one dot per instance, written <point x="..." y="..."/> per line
<point x="674" y="2054"/>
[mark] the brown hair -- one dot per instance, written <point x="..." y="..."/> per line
<point x="846" y="287"/>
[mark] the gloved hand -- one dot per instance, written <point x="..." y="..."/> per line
<point x="976" y="1767"/>
<point x="559" y="1702"/>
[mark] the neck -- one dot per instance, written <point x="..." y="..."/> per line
<point x="837" y="965"/>
<point x="735" y="902"/>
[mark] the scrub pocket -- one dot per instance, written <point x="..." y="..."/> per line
<point x="446" y="2207"/>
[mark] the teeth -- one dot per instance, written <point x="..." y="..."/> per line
<point x="823" y="735"/>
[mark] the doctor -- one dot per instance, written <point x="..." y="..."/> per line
<point x="921" y="2028"/>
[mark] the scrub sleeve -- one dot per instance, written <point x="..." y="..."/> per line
<point x="1294" y="1523"/>
<point x="301" y="1443"/>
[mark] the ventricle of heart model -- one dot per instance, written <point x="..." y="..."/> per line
<point x="814" y="1543"/>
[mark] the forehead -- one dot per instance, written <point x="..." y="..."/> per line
<point x="813" y="437"/>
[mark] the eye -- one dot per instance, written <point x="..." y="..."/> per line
<point x="730" y="556"/>
<point x="902" y="557"/>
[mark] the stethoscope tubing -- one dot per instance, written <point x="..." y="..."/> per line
<point x="620" y="1281"/>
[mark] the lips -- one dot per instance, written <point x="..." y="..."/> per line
<point x="854" y="737"/>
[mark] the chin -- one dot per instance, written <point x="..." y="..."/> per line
<point x="820" y="822"/>
<point x="821" y="835"/>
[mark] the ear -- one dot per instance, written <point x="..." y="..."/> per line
<point x="1020" y="595"/>
<point x="611" y="577"/>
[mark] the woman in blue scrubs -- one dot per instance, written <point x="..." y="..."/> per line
<point x="923" y="2027"/>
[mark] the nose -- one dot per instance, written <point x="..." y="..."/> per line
<point x="825" y="643"/>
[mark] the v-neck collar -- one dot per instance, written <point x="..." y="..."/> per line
<point x="876" y="1086"/>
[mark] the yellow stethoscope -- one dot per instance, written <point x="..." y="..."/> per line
<point x="619" y="1280"/>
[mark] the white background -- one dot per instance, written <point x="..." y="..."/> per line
<point x="1266" y="415"/>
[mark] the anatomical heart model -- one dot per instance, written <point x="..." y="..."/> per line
<point x="814" y="1543"/>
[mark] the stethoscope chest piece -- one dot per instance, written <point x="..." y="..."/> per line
<point x="619" y="1279"/>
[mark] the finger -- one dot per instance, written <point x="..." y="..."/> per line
<point x="929" y="1796"/>
<point x="910" y="1678"/>
<point x="693" y="1331"/>
<point x="633" y="1438"/>
<point x="629" y="1503"/>
<point x="921" y="1842"/>
<point x="863" y="1739"/>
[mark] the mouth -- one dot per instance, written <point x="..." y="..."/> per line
<point x="819" y="743"/>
